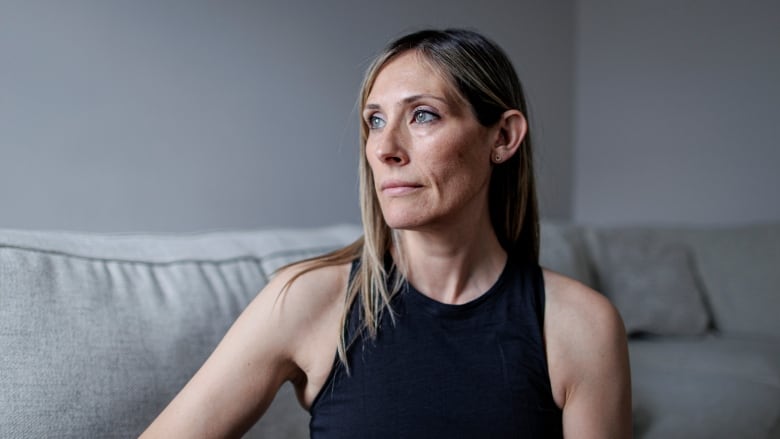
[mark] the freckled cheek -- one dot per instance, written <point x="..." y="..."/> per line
<point x="449" y="179"/>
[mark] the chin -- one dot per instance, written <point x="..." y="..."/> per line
<point x="407" y="216"/>
<point x="405" y="221"/>
<point x="400" y="224"/>
<point x="400" y="221"/>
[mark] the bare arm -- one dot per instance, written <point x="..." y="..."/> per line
<point x="588" y="355"/>
<point x="241" y="377"/>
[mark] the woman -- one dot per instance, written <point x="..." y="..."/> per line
<point x="442" y="321"/>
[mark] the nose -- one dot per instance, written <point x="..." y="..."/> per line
<point x="389" y="146"/>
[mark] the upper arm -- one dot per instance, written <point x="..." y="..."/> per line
<point x="588" y="355"/>
<point x="240" y="378"/>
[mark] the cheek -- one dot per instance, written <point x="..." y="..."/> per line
<point x="466" y="163"/>
<point x="458" y="175"/>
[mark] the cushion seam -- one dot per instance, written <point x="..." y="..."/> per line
<point x="133" y="261"/>
<point x="234" y="259"/>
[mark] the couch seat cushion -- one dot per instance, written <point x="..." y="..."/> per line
<point x="706" y="387"/>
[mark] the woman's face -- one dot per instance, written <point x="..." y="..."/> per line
<point x="429" y="155"/>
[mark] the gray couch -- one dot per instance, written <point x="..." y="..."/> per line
<point x="98" y="332"/>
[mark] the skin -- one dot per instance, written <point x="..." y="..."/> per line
<point x="431" y="161"/>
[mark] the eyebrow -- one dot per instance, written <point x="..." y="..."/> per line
<point x="408" y="100"/>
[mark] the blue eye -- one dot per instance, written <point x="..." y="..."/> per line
<point x="375" y="122"/>
<point x="423" y="116"/>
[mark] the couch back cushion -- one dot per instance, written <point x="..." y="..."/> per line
<point x="737" y="269"/>
<point x="99" y="332"/>
<point x="740" y="273"/>
<point x="563" y="250"/>
<point x="651" y="280"/>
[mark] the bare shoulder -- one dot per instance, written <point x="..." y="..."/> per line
<point x="275" y="327"/>
<point x="303" y="282"/>
<point x="581" y="325"/>
<point x="587" y="355"/>
<point x="299" y="295"/>
<point x="577" y="310"/>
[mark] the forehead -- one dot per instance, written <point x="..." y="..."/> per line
<point x="410" y="74"/>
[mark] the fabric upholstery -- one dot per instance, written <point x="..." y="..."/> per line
<point x="563" y="250"/>
<point x="98" y="332"/>
<point x="652" y="282"/>
<point x="740" y="272"/>
<point x="706" y="387"/>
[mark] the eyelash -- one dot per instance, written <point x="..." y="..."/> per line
<point x="415" y="115"/>
<point x="418" y="112"/>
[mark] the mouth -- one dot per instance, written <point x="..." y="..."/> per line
<point x="399" y="187"/>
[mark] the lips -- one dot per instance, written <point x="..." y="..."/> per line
<point x="399" y="187"/>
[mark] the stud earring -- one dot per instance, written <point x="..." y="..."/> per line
<point x="498" y="157"/>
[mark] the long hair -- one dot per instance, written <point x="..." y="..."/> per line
<point x="482" y="74"/>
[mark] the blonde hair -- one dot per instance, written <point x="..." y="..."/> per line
<point x="483" y="75"/>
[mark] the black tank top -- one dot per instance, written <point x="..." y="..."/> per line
<point x="476" y="370"/>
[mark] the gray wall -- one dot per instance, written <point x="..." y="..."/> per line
<point x="677" y="110"/>
<point x="191" y="115"/>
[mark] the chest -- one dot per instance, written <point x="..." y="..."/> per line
<point x="474" y="374"/>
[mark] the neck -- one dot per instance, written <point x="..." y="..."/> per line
<point x="453" y="266"/>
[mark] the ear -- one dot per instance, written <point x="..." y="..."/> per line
<point x="511" y="130"/>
